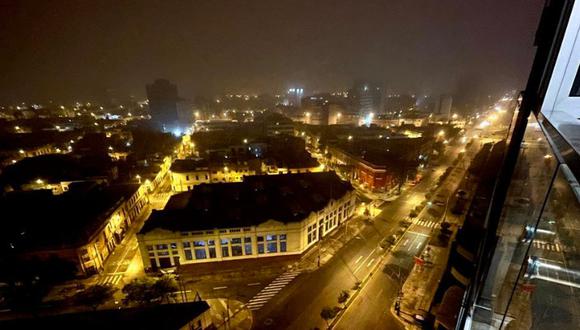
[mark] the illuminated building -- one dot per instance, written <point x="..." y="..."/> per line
<point x="263" y="216"/>
<point x="81" y="226"/>
<point x="163" y="106"/>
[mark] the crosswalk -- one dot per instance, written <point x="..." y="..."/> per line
<point x="422" y="222"/>
<point x="538" y="244"/>
<point x="271" y="290"/>
<point x="426" y="223"/>
<point x="110" y="279"/>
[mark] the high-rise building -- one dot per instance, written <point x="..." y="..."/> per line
<point x="367" y="99"/>
<point x="294" y="97"/>
<point x="524" y="270"/>
<point x="163" y="100"/>
<point x="443" y="106"/>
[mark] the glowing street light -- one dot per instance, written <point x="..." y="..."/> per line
<point x="39" y="181"/>
<point x="441" y="133"/>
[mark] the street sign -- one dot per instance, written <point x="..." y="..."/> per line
<point x="419" y="261"/>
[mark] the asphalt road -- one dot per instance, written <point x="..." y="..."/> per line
<point x="298" y="306"/>
<point x="371" y="308"/>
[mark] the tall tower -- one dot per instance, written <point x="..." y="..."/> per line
<point x="163" y="99"/>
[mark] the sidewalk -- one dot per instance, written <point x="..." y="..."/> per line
<point x="323" y="251"/>
<point x="239" y="317"/>
<point x="421" y="285"/>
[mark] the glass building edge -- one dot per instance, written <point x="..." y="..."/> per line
<point x="548" y="41"/>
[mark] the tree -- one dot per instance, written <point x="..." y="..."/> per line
<point x="147" y="290"/>
<point x="343" y="297"/>
<point x="139" y="291"/>
<point x="165" y="288"/>
<point x="445" y="228"/>
<point x="327" y="314"/>
<point x="94" y="296"/>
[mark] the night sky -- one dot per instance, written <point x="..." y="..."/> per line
<point x="74" y="50"/>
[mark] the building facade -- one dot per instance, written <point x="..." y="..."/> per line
<point x="163" y="100"/>
<point x="260" y="237"/>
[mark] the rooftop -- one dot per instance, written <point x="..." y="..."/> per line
<point x="383" y="152"/>
<point x="37" y="219"/>
<point x="286" y="198"/>
<point x="168" y="316"/>
<point x="188" y="165"/>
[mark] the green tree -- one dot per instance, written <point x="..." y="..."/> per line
<point x="94" y="296"/>
<point x="327" y="314"/>
<point x="343" y="297"/>
<point x="138" y="291"/>
<point x="165" y="288"/>
<point x="147" y="290"/>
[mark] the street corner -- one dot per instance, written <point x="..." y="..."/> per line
<point x="230" y="314"/>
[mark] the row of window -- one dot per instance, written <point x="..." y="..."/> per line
<point x="235" y="247"/>
<point x="211" y="232"/>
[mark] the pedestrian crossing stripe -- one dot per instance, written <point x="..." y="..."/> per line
<point x="547" y="246"/>
<point x="110" y="279"/>
<point x="425" y="223"/>
<point x="272" y="289"/>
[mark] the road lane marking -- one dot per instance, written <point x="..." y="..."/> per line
<point x="357" y="260"/>
<point x="254" y="284"/>
<point x="359" y="266"/>
<point x="370" y="262"/>
<point x="262" y="298"/>
<point x="220" y="287"/>
<point x="406" y="241"/>
<point x="418" y="233"/>
<point x="419" y="245"/>
<point x="380" y="292"/>
<point x="270" y="290"/>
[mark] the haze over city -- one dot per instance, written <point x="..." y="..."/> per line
<point x="249" y="165"/>
<point x="74" y="51"/>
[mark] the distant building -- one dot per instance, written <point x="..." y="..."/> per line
<point x="380" y="164"/>
<point x="229" y="158"/>
<point x="294" y="97"/>
<point x="187" y="173"/>
<point x="263" y="216"/>
<point x="81" y="226"/>
<point x="367" y="99"/>
<point x="163" y="105"/>
<point x="443" y="107"/>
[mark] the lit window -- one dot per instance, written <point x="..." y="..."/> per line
<point x="200" y="254"/>
<point x="272" y="247"/>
